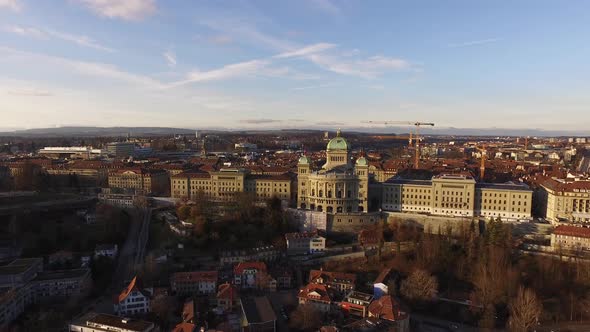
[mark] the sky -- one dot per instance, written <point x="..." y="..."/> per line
<point x="294" y="64"/>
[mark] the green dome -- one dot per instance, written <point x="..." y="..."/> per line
<point x="304" y="160"/>
<point x="338" y="143"/>
<point x="362" y="161"/>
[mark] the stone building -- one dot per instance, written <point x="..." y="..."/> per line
<point x="566" y="200"/>
<point x="339" y="186"/>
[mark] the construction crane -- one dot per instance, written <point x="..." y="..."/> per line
<point x="417" y="137"/>
<point x="482" y="166"/>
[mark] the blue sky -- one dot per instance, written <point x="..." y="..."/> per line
<point x="294" y="64"/>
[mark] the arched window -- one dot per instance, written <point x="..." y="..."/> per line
<point x="329" y="209"/>
<point x="303" y="206"/>
<point x="361" y="208"/>
<point x="320" y="208"/>
<point x="329" y="194"/>
<point x="320" y="193"/>
<point x="313" y="192"/>
<point x="339" y="194"/>
<point x="349" y="209"/>
<point x="339" y="209"/>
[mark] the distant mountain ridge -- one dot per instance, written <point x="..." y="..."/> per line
<point x="163" y="131"/>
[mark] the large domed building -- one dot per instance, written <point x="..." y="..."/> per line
<point x="340" y="186"/>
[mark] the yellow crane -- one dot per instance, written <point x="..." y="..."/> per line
<point x="416" y="137"/>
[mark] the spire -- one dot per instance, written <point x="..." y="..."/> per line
<point x="338" y="132"/>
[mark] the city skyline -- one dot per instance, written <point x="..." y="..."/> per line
<point x="294" y="65"/>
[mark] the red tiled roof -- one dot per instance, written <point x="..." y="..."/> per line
<point x="185" y="327"/>
<point x="339" y="277"/>
<point x="572" y="231"/>
<point x="569" y="186"/>
<point x="387" y="308"/>
<point x="381" y="277"/>
<point x="309" y="291"/>
<point x="239" y="269"/>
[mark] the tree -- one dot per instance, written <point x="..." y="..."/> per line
<point x="420" y="286"/>
<point x="306" y="317"/>
<point x="525" y="310"/>
<point x="183" y="212"/>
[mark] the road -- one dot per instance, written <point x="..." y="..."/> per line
<point x="132" y="252"/>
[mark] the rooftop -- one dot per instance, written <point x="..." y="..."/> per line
<point x="103" y="321"/>
<point x="62" y="274"/>
<point x="572" y="231"/>
<point x="258" y="310"/>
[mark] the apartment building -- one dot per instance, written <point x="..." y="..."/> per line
<point x="570" y="238"/>
<point x="339" y="281"/>
<point x="305" y="242"/>
<point x="134" y="299"/>
<point x="194" y="283"/>
<point x="140" y="180"/>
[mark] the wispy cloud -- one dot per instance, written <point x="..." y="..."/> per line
<point x="325" y="55"/>
<point x="475" y="42"/>
<point x="327" y="6"/>
<point x="221" y="39"/>
<point x="13" y="5"/>
<point x="170" y="58"/>
<point x="95" y="69"/>
<point x="79" y="40"/>
<point x="310" y="87"/>
<point x="29" y="92"/>
<point x="130" y="10"/>
<point x="307" y="50"/>
<point x="247" y="68"/>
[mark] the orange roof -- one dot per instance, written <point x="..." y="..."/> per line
<point x="569" y="186"/>
<point x="316" y="292"/>
<point x="381" y="277"/>
<point x="134" y="285"/>
<point x="185" y="327"/>
<point x="338" y="277"/>
<point x="572" y="231"/>
<point x="387" y="308"/>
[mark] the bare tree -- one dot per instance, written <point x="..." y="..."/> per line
<point x="306" y="317"/>
<point x="525" y="310"/>
<point x="419" y="286"/>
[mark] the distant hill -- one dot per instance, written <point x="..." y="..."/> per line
<point x="163" y="131"/>
<point x="99" y="131"/>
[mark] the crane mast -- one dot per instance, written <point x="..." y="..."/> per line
<point x="416" y="137"/>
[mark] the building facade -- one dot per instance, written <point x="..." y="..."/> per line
<point x="339" y="186"/>
<point x="141" y="180"/>
<point x="305" y="242"/>
<point x="570" y="238"/>
<point x="133" y="300"/>
<point x="194" y="283"/>
<point x="458" y="196"/>
<point x="226" y="184"/>
<point x="566" y="200"/>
